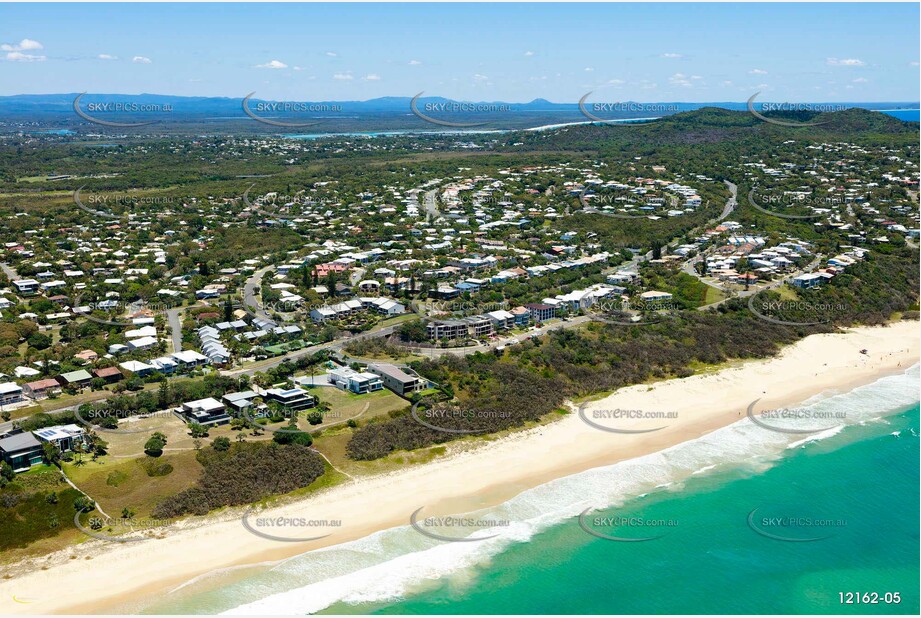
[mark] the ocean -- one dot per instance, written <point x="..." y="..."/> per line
<point x="742" y="520"/>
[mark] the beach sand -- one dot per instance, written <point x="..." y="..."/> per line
<point x="475" y="478"/>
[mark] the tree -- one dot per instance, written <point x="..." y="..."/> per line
<point x="127" y="513"/>
<point x="84" y="504"/>
<point x="7" y="473"/>
<point x="197" y="430"/>
<point x="228" y="311"/>
<point x="51" y="453"/>
<point x="315" y="417"/>
<point x="163" y="394"/>
<point x="292" y="435"/>
<point x="221" y="444"/>
<point x="154" y="446"/>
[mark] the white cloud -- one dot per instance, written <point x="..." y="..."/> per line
<point x="680" y="79"/>
<point x="332" y="54"/>
<point x="372" y="77"/>
<point x="106" y="57"/>
<point x="479" y="78"/>
<point x="589" y="69"/>
<point x="616" y="82"/>
<point x="23" y="45"/>
<point x="671" y="55"/>
<point x="141" y="60"/>
<point x="529" y="53"/>
<point x="757" y="72"/>
<point x="861" y="80"/>
<point x="414" y="63"/>
<point x="297" y="68"/>
<point x="845" y="62"/>
<point x="272" y="64"/>
<point x="21" y="57"/>
<point x="913" y="64"/>
<point x="343" y="77"/>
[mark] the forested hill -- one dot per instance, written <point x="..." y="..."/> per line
<point x="710" y="125"/>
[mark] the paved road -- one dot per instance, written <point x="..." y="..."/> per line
<point x="335" y="345"/>
<point x="731" y="203"/>
<point x="773" y="284"/>
<point x="252" y="291"/>
<point x="436" y="352"/>
<point x="431" y="206"/>
<point x="175" y="324"/>
<point x="9" y="271"/>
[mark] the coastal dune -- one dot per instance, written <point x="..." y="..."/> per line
<point x="676" y="410"/>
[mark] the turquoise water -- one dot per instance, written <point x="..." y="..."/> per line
<point x="713" y="562"/>
<point x="912" y="115"/>
<point x="862" y="477"/>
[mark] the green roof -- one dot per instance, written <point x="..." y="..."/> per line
<point x="77" y="376"/>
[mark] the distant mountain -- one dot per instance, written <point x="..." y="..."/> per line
<point x="63" y="103"/>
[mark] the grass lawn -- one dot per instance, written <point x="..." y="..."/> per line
<point x="713" y="295"/>
<point x="290" y="346"/>
<point x="345" y="405"/>
<point x="116" y="483"/>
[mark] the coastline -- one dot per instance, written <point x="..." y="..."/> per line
<point x="484" y="476"/>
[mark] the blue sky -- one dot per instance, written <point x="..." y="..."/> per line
<point x="508" y="52"/>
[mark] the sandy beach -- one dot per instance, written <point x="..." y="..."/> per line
<point x="473" y="479"/>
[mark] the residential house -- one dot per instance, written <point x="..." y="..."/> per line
<point x="26" y="287"/>
<point x="137" y="368"/>
<point x="189" y="359"/>
<point x="292" y="399"/>
<point x="108" y="374"/>
<point x="357" y="382"/>
<point x="65" y="437"/>
<point x="241" y="404"/>
<point x="540" y="312"/>
<point x="144" y="343"/>
<point x="501" y="319"/>
<point x="10" y="393"/>
<point x="207" y="411"/>
<point x="40" y="389"/>
<point x="396" y="379"/>
<point x="75" y="379"/>
<point x="21" y="451"/>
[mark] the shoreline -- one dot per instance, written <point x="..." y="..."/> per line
<point x="487" y="475"/>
